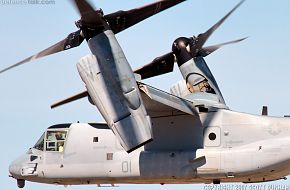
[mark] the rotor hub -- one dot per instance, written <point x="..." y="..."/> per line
<point x="179" y="44"/>
<point x="181" y="49"/>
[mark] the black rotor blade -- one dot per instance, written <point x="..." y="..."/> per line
<point x="70" y="99"/>
<point x="73" y="40"/>
<point x="90" y="17"/>
<point x="160" y="65"/>
<point x="202" y="38"/>
<point x="122" y="20"/>
<point x="83" y="7"/>
<point x="205" y="51"/>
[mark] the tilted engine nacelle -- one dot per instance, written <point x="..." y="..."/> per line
<point x="123" y="111"/>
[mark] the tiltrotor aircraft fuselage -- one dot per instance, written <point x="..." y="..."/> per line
<point x="150" y="136"/>
<point x="218" y="146"/>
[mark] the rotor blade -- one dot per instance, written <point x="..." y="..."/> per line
<point x="70" y="99"/>
<point x="84" y="8"/>
<point x="160" y="65"/>
<point x="122" y="20"/>
<point x="73" y="40"/>
<point x="205" y="51"/>
<point x="202" y="38"/>
<point x="89" y="16"/>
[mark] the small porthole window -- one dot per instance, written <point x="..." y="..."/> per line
<point x="109" y="156"/>
<point x="96" y="139"/>
<point x="212" y="136"/>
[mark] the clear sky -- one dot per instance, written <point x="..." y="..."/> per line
<point x="250" y="74"/>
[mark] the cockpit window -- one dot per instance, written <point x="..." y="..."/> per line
<point x="202" y="86"/>
<point x="198" y="83"/>
<point x="55" y="140"/>
<point x="40" y="143"/>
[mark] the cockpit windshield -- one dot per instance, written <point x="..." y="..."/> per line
<point x="40" y="143"/>
<point x="55" y="140"/>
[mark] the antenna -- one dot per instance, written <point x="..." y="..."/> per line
<point x="265" y="110"/>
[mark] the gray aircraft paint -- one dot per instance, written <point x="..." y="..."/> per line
<point x="112" y="87"/>
<point x="239" y="156"/>
<point x="197" y="139"/>
<point x="182" y="151"/>
<point x="196" y="70"/>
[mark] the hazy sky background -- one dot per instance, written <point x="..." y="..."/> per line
<point x="250" y="74"/>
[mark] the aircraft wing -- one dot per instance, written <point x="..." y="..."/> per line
<point x="157" y="102"/>
<point x="160" y="103"/>
<point x="176" y="125"/>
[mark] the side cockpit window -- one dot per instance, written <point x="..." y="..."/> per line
<point x="55" y="140"/>
<point x="40" y="143"/>
<point x="198" y="83"/>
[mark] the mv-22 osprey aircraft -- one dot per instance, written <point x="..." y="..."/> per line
<point x="186" y="136"/>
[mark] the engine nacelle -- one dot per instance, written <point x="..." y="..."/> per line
<point x="124" y="112"/>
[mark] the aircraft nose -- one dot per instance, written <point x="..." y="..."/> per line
<point x="15" y="168"/>
<point x="22" y="167"/>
